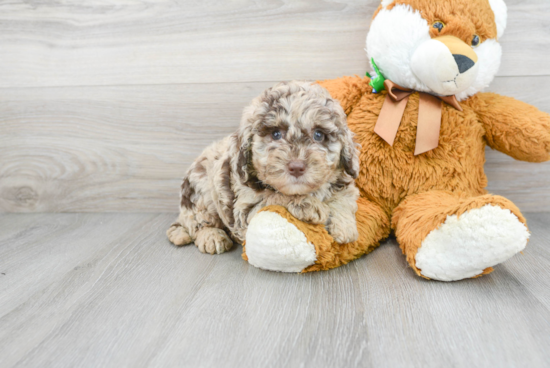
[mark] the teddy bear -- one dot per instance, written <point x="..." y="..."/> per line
<point x="423" y="125"/>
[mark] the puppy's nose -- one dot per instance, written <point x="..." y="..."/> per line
<point x="464" y="63"/>
<point x="297" y="168"/>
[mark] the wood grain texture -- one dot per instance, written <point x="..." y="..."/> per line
<point x="99" y="42"/>
<point x="108" y="290"/>
<point x="125" y="148"/>
<point x="109" y="148"/>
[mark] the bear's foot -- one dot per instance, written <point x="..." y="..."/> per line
<point x="275" y="244"/>
<point x="450" y="237"/>
<point x="470" y="245"/>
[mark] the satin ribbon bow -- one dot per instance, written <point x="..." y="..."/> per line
<point x="429" y="116"/>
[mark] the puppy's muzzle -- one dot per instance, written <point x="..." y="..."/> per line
<point x="297" y="168"/>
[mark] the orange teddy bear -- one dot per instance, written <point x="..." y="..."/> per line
<point x="423" y="131"/>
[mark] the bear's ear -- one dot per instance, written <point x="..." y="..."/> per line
<point x="501" y="15"/>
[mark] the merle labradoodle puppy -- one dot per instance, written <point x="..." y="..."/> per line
<point x="293" y="149"/>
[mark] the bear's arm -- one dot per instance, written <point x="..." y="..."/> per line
<point x="347" y="90"/>
<point x="513" y="127"/>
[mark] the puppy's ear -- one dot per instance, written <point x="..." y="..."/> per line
<point x="244" y="159"/>
<point x="243" y="163"/>
<point x="349" y="156"/>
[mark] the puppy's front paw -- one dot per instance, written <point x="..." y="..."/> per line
<point x="310" y="210"/>
<point x="177" y="235"/>
<point x="212" y="240"/>
<point x="343" y="232"/>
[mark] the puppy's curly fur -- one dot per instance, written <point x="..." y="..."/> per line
<point x="293" y="149"/>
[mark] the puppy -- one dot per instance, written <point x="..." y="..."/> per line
<point x="294" y="149"/>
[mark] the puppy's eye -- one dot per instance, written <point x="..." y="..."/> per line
<point x="439" y="25"/>
<point x="318" y="136"/>
<point x="276" y="135"/>
<point x="475" y="40"/>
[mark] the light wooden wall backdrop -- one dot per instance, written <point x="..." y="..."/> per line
<point x="103" y="104"/>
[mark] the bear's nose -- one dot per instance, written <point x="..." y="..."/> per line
<point x="297" y="168"/>
<point x="464" y="63"/>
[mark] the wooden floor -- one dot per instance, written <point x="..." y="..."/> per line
<point x="108" y="290"/>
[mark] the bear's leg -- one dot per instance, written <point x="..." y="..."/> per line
<point x="373" y="225"/>
<point x="277" y="241"/>
<point x="447" y="236"/>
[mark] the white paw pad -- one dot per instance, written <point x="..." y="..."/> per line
<point x="464" y="247"/>
<point x="272" y="243"/>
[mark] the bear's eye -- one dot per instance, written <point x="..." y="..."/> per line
<point x="276" y="135"/>
<point x="439" y="25"/>
<point x="475" y="40"/>
<point x="318" y="136"/>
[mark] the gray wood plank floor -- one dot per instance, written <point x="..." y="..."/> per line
<point x="107" y="290"/>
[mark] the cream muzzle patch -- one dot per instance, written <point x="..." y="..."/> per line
<point x="445" y="64"/>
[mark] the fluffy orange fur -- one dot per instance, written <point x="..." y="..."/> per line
<point x="418" y="192"/>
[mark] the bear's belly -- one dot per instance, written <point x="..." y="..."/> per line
<point x="391" y="173"/>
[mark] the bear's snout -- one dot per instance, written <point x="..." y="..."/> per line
<point x="446" y="65"/>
